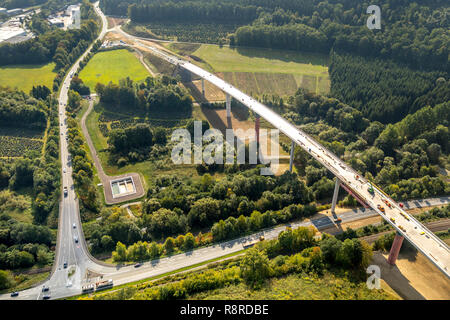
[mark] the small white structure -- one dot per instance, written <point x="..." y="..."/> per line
<point x="57" y="22"/>
<point x="122" y="187"/>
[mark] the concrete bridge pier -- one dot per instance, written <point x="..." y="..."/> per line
<point x="335" y="195"/>
<point x="291" y="159"/>
<point x="228" y="105"/>
<point x="203" y="88"/>
<point x="257" y="117"/>
<point x="395" y="249"/>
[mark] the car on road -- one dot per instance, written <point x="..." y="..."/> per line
<point x="74" y="225"/>
<point x="401" y="205"/>
<point x="14" y="294"/>
<point x="76" y="239"/>
<point x="65" y="265"/>
<point x="45" y="289"/>
<point x="64" y="170"/>
<point x="65" y="192"/>
<point x="137" y="265"/>
<point x="46" y="297"/>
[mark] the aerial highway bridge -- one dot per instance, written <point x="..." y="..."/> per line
<point x="366" y="192"/>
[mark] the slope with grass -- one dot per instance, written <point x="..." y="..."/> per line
<point x="111" y="66"/>
<point x="262" y="71"/>
<point x="299" y="287"/>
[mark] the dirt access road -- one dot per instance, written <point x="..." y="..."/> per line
<point x="105" y="179"/>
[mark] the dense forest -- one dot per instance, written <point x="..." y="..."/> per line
<point x="17" y="109"/>
<point x="383" y="90"/>
<point x="404" y="158"/>
<point x="29" y="185"/>
<point x="412" y="32"/>
<point x="153" y="95"/>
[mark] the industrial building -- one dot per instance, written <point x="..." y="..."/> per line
<point x="13" y="12"/>
<point x="11" y="34"/>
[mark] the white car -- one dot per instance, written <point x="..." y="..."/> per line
<point x="64" y="170"/>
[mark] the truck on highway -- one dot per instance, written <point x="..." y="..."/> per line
<point x="104" y="284"/>
<point x="88" y="288"/>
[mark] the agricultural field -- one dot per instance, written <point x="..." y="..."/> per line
<point x="111" y="66"/>
<point x="24" y="77"/>
<point x="262" y="71"/>
<point x="17" y="142"/>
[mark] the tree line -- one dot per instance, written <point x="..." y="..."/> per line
<point x="159" y="95"/>
<point x="381" y="89"/>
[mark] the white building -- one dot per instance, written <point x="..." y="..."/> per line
<point x="75" y="16"/>
<point x="8" y="33"/>
<point x="57" y="22"/>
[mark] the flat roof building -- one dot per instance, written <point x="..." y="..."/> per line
<point x="8" y="33"/>
<point x="56" y="22"/>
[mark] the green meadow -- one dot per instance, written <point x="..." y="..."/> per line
<point x="112" y="66"/>
<point x="24" y="77"/>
